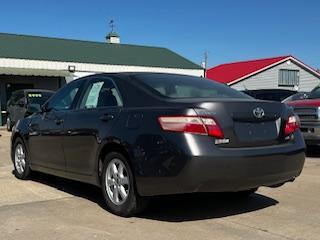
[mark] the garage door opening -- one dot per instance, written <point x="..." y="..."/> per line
<point x="12" y="83"/>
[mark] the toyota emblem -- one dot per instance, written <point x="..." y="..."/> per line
<point x="258" y="112"/>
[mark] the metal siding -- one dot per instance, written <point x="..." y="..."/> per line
<point x="269" y="79"/>
<point x="87" y="68"/>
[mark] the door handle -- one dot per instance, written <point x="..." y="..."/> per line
<point x="58" y="121"/>
<point x="106" y="117"/>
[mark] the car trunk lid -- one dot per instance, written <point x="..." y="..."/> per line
<point x="247" y="123"/>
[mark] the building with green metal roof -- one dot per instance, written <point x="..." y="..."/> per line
<point x="43" y="62"/>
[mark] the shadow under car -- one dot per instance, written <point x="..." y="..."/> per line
<point x="171" y="208"/>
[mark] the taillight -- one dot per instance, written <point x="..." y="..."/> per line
<point x="291" y="125"/>
<point x="191" y="124"/>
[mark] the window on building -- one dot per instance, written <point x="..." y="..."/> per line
<point x="288" y="77"/>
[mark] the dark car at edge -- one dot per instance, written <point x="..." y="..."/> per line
<point x="277" y="95"/>
<point x="138" y="135"/>
<point x="308" y="110"/>
<point x="22" y="102"/>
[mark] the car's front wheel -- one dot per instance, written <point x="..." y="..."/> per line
<point x="118" y="186"/>
<point x="20" y="160"/>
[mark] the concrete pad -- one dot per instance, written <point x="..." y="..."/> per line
<point x="48" y="207"/>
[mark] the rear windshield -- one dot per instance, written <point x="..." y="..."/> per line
<point x="38" y="97"/>
<point x="180" y="86"/>
<point x="297" y="96"/>
<point x="315" y="93"/>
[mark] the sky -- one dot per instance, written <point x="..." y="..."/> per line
<point x="229" y="30"/>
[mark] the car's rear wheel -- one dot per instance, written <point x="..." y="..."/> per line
<point x="9" y="124"/>
<point x="20" y="160"/>
<point x="118" y="186"/>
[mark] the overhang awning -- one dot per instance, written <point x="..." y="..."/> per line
<point x="34" y="72"/>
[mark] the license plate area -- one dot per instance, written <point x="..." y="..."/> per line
<point x="311" y="130"/>
<point x="256" y="131"/>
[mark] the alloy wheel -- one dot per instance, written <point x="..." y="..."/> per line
<point x="117" y="182"/>
<point x="20" y="159"/>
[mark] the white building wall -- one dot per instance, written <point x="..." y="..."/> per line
<point x="84" y="69"/>
<point x="269" y="79"/>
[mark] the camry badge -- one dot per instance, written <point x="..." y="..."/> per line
<point x="258" y="112"/>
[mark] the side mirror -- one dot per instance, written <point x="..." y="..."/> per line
<point x="45" y="108"/>
<point x="33" y="108"/>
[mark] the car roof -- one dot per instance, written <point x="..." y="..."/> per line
<point x="270" y="90"/>
<point x="128" y="74"/>
<point x="38" y="90"/>
<point x="33" y="90"/>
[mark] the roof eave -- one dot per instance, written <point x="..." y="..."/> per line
<point x="272" y="65"/>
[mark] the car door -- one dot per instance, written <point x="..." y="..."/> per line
<point x="47" y="129"/>
<point x="90" y="123"/>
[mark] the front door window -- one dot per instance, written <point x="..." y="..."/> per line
<point x="64" y="99"/>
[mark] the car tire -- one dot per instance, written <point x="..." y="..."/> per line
<point x="20" y="160"/>
<point x="9" y="124"/>
<point x="118" y="187"/>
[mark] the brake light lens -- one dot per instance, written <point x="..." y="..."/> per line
<point x="291" y="125"/>
<point x="191" y="124"/>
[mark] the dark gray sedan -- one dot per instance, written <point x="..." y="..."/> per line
<point x="138" y="135"/>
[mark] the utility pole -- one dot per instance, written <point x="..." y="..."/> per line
<point x="205" y="62"/>
<point x="205" y="59"/>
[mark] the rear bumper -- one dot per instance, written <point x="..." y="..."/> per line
<point x="311" y="133"/>
<point x="231" y="170"/>
<point x="228" y="174"/>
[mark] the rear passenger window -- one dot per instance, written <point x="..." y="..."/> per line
<point x="100" y="93"/>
